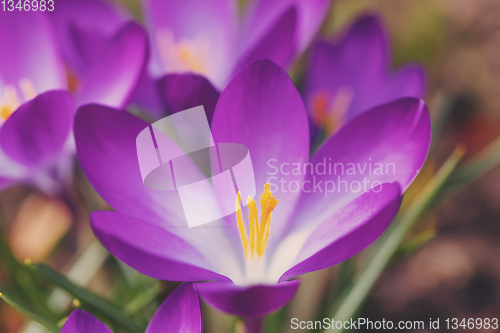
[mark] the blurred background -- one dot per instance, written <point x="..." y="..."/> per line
<point x="451" y="268"/>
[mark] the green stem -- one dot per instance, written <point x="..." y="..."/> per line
<point x="139" y="303"/>
<point x="81" y="272"/>
<point x="356" y="296"/>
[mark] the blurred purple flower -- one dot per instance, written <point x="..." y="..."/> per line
<point x="206" y="37"/>
<point x="180" y="312"/>
<point x="35" y="134"/>
<point x="260" y="108"/>
<point x="349" y="76"/>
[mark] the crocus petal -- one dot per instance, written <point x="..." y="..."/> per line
<point x="386" y="144"/>
<point x="183" y="91"/>
<point x="278" y="45"/>
<point x="27" y="41"/>
<point x="212" y="23"/>
<point x="146" y="97"/>
<point x="82" y="322"/>
<point x="150" y="249"/>
<point x="408" y="81"/>
<point x="180" y="312"/>
<point x="353" y="75"/>
<point x="251" y="301"/>
<point x="106" y="149"/>
<point x="262" y="14"/>
<point x="348" y="231"/>
<point x="95" y="17"/>
<point x="39" y="129"/>
<point x="261" y="109"/>
<point x="111" y="78"/>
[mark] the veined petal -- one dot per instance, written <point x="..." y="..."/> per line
<point x="386" y="144"/>
<point x="82" y="322"/>
<point x="150" y="249"/>
<point x="347" y="232"/>
<point x="261" y="109"/>
<point x="251" y="301"/>
<point x="27" y="41"/>
<point x="35" y="133"/>
<point x="106" y="149"/>
<point x="180" y="312"/>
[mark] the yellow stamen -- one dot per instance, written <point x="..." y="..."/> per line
<point x="241" y="224"/>
<point x="259" y="233"/>
<point x="10" y="101"/>
<point x="253" y="222"/>
<point x="184" y="54"/>
<point x="5" y="112"/>
<point x="187" y="55"/>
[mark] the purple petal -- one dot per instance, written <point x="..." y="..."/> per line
<point x="106" y="149"/>
<point x="27" y="41"/>
<point x="111" y="78"/>
<point x="146" y="97"/>
<point x="262" y="109"/>
<point x="348" y="231"/>
<point x="94" y="17"/>
<point x="180" y="312"/>
<point x="247" y="301"/>
<point x="353" y="75"/>
<point x="150" y="249"/>
<point x="39" y="129"/>
<point x="183" y="91"/>
<point x="82" y="322"/>
<point x="194" y="21"/>
<point x="278" y="45"/>
<point x="264" y="13"/>
<point x="386" y="144"/>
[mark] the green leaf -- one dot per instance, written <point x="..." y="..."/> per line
<point x="391" y="240"/>
<point x="15" y="301"/>
<point x="482" y="162"/>
<point x="86" y="297"/>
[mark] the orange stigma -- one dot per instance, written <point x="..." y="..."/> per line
<point x="328" y="111"/>
<point x="259" y="232"/>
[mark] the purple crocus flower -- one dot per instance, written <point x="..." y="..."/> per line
<point x="302" y="226"/>
<point x="203" y="38"/>
<point x="206" y="37"/>
<point x="36" y="109"/>
<point x="351" y="75"/>
<point x="180" y="312"/>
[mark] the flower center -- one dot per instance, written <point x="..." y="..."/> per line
<point x="9" y="98"/>
<point x="328" y="112"/>
<point x="259" y="231"/>
<point x="184" y="55"/>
